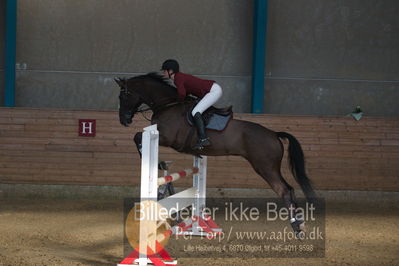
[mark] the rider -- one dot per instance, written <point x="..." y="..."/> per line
<point x="208" y="90"/>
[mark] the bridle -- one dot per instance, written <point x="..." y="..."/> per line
<point x="151" y="105"/>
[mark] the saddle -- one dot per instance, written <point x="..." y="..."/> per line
<point x="215" y="118"/>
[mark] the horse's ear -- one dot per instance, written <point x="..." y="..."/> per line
<point x="119" y="81"/>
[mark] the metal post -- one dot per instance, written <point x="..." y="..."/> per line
<point x="10" y="52"/>
<point x="259" y="55"/>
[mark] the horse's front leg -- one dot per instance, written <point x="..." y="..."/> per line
<point x="162" y="165"/>
<point x="138" y="138"/>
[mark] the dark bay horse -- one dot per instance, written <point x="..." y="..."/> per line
<point x="260" y="146"/>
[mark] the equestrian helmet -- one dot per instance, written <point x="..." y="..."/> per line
<point x="170" y="64"/>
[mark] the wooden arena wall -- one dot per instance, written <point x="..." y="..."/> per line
<point x="42" y="146"/>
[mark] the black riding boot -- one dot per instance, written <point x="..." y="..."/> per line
<point x="203" y="140"/>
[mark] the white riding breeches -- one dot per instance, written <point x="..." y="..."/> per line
<point x="209" y="99"/>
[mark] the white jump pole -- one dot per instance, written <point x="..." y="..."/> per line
<point x="149" y="189"/>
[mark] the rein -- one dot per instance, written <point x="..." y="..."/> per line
<point x="148" y="102"/>
<point x="157" y="109"/>
<point x="151" y="104"/>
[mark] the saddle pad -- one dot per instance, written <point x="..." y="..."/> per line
<point x="212" y="121"/>
<point x="218" y="122"/>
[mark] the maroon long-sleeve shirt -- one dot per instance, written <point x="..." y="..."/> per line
<point x="188" y="84"/>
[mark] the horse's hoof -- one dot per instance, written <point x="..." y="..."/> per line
<point x="162" y="190"/>
<point x="302" y="226"/>
<point x="163" y="165"/>
<point x="300" y="235"/>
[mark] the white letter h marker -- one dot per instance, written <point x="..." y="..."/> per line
<point x="84" y="127"/>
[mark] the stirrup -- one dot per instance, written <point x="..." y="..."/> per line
<point x="201" y="143"/>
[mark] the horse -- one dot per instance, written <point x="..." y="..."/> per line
<point x="260" y="146"/>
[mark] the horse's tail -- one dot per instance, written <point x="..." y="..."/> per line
<point x="297" y="164"/>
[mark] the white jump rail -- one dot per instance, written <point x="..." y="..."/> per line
<point x="194" y="197"/>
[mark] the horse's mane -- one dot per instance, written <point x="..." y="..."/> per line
<point x="156" y="76"/>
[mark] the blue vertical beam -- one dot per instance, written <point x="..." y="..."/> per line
<point x="10" y="52"/>
<point x="259" y="55"/>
